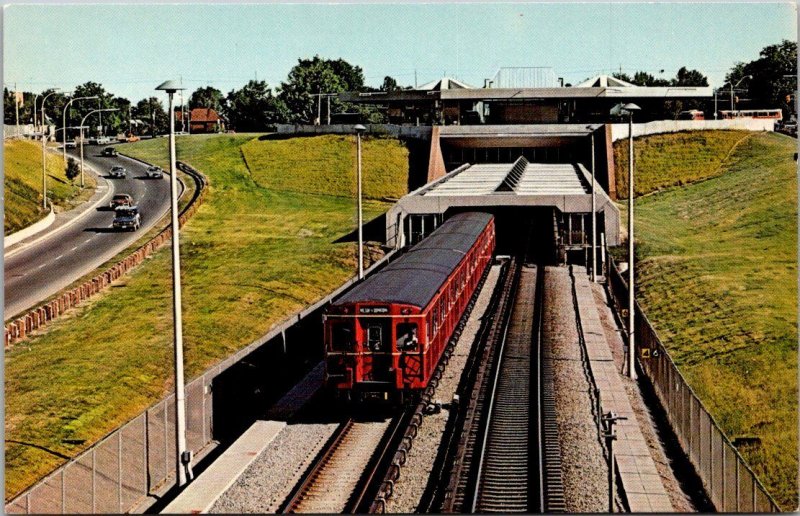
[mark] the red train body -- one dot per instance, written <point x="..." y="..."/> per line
<point x="386" y="335"/>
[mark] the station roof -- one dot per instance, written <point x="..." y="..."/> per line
<point x="521" y="178"/>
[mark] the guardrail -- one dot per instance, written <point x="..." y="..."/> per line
<point x="35" y="318"/>
<point x="730" y="483"/>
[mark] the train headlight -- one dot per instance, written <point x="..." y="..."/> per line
<point x="405" y="311"/>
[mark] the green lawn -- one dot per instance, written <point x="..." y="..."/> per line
<point x="657" y="166"/>
<point x="22" y="160"/>
<point x="717" y="270"/>
<point x="250" y="257"/>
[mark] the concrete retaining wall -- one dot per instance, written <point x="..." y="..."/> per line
<point x="34" y="319"/>
<point x="398" y="131"/>
<point x="31" y="230"/>
<point x="620" y="131"/>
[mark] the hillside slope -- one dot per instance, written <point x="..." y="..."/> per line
<point x="717" y="273"/>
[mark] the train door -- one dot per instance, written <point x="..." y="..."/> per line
<point x="377" y="349"/>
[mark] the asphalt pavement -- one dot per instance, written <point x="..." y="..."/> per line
<point x="40" y="268"/>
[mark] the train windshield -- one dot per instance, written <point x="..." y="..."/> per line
<point x="407" y="339"/>
<point x="342" y="337"/>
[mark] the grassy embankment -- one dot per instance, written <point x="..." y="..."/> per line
<point x="717" y="276"/>
<point x="250" y="256"/>
<point x="22" y="160"/>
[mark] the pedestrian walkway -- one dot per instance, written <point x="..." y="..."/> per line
<point x="201" y="494"/>
<point x="67" y="218"/>
<point x="641" y="483"/>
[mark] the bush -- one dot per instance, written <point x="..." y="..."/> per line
<point x="73" y="169"/>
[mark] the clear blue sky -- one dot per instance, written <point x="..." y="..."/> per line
<point x="132" y="48"/>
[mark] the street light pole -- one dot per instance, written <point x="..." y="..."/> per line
<point x="360" y="129"/>
<point x="64" y="122"/>
<point x="44" y="153"/>
<point x="737" y="84"/>
<point x="594" y="211"/>
<point x="184" y="458"/>
<point x="81" y="128"/>
<point x="631" y="296"/>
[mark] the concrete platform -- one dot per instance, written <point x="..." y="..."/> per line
<point x="204" y="490"/>
<point x="641" y="483"/>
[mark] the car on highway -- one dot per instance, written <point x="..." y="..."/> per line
<point x="127" y="217"/>
<point x="121" y="199"/>
<point x="154" y="172"/>
<point x="109" y="151"/>
<point x="70" y="144"/>
<point x="118" y="172"/>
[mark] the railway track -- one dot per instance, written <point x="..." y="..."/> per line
<point x="504" y="460"/>
<point x="343" y="475"/>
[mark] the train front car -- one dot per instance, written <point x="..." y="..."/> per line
<point x="384" y="338"/>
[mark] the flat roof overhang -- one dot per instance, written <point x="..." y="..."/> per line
<point x="569" y="193"/>
<point x="529" y="135"/>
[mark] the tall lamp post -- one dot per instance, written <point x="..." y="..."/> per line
<point x="737" y="84"/>
<point x="360" y="129"/>
<point x="64" y="121"/>
<point x="184" y="458"/>
<point x="631" y="108"/>
<point x="44" y="153"/>
<point x="83" y="122"/>
<point x="594" y="208"/>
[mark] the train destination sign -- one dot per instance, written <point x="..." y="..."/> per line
<point x="373" y="310"/>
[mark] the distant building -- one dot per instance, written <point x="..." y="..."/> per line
<point x="451" y="102"/>
<point x="202" y="120"/>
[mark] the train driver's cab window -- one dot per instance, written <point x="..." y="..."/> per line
<point x="375" y="337"/>
<point x="342" y="337"/>
<point x="407" y="339"/>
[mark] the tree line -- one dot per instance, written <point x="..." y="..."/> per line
<point x="255" y="106"/>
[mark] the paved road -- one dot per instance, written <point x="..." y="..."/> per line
<point x="42" y="268"/>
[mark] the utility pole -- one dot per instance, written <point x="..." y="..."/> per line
<point x="16" y="107"/>
<point x="319" y="107"/>
<point x="329" y="109"/>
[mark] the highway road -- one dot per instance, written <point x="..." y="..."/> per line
<point x="40" y="269"/>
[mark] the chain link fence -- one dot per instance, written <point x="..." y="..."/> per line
<point x="730" y="483"/>
<point x="137" y="460"/>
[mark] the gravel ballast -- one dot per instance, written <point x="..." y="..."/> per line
<point x="584" y="467"/>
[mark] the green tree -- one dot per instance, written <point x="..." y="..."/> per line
<point x="317" y="75"/>
<point x="151" y="112"/>
<point x="207" y="97"/>
<point x="73" y="169"/>
<point x="254" y="107"/>
<point x="645" y="79"/>
<point x="686" y="77"/>
<point x="774" y="76"/>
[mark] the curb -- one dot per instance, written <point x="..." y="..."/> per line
<point x="36" y="227"/>
<point x="79" y="217"/>
<point x="35" y="318"/>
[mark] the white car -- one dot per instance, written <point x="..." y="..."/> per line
<point x="118" y="172"/>
<point x="154" y="172"/>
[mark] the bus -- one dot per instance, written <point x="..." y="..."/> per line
<point x="775" y="114"/>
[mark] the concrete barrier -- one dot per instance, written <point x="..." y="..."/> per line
<point x="41" y="315"/>
<point x="620" y="131"/>
<point x="29" y="231"/>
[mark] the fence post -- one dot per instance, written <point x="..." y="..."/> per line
<point x="119" y="469"/>
<point x="94" y="470"/>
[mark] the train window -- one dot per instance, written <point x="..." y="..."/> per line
<point x="375" y="337"/>
<point x="407" y="339"/>
<point x="342" y="337"/>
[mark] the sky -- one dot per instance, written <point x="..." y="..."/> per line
<point x="130" y="49"/>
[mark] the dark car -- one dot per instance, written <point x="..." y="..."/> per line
<point x="127" y="217"/>
<point x="109" y="151"/>
<point x="118" y="171"/>
<point x="122" y="199"/>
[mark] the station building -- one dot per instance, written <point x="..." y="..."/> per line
<point x="521" y="151"/>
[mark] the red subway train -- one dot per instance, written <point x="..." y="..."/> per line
<point x="385" y="336"/>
